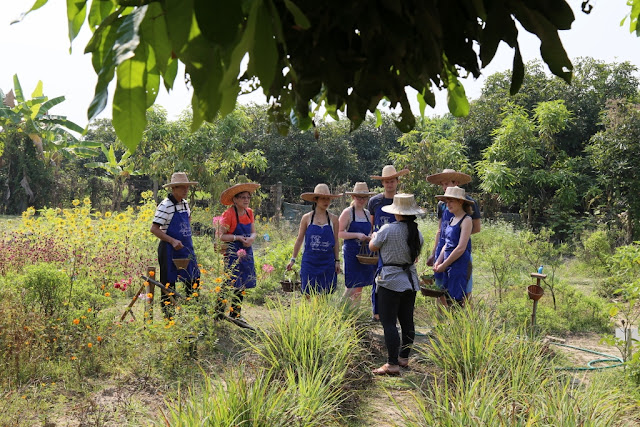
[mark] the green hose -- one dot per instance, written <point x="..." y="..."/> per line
<point x="618" y="361"/>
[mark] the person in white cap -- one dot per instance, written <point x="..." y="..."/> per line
<point x="319" y="231"/>
<point x="390" y="179"/>
<point x="356" y="225"/>
<point x="172" y="225"/>
<point x="399" y="244"/>
<point x="451" y="178"/>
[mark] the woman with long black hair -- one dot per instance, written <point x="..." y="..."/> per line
<point x="399" y="245"/>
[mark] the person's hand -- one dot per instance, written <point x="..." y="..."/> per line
<point x="177" y="244"/>
<point x="439" y="268"/>
<point x="246" y="241"/>
<point x="364" y="238"/>
<point x="289" y="266"/>
<point x="338" y="269"/>
<point x="430" y="260"/>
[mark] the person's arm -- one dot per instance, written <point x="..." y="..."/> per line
<point x="343" y="224"/>
<point x="434" y="255"/>
<point x="336" y="246"/>
<point x="156" y="231"/>
<point x="475" y="226"/>
<point x="377" y="238"/>
<point x="304" y="223"/>
<point x="465" y="233"/>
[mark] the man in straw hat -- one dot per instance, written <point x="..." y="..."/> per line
<point x="172" y="225"/>
<point x="399" y="244"/>
<point x="390" y="180"/>
<point x="450" y="178"/>
<point x="319" y="230"/>
<point x="239" y="230"/>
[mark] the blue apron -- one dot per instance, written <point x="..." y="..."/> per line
<point x="445" y="218"/>
<point x="458" y="273"/>
<point x="380" y="218"/>
<point x="242" y="270"/>
<point x="357" y="275"/>
<point x="180" y="228"/>
<point x="318" y="268"/>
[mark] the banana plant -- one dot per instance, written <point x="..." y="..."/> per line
<point x="118" y="170"/>
<point x="52" y="134"/>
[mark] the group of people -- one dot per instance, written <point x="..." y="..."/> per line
<point x="382" y="225"/>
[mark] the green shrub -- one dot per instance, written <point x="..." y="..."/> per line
<point x="46" y="286"/>
<point x="596" y="250"/>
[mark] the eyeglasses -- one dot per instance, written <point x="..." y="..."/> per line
<point x="243" y="197"/>
<point x="361" y="197"/>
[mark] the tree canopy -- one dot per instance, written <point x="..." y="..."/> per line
<point x="346" y="56"/>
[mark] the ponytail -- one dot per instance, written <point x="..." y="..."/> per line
<point x="413" y="240"/>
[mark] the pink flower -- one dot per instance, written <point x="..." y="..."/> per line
<point x="217" y="220"/>
<point x="242" y="253"/>
<point x="267" y="268"/>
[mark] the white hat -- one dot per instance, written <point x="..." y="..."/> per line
<point x="455" y="193"/>
<point x="403" y="204"/>
<point x="321" y="190"/>
<point x="360" y="189"/>
<point x="389" y="172"/>
<point x="179" y="178"/>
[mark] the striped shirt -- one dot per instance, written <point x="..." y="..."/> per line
<point x="166" y="209"/>
<point x="392" y="241"/>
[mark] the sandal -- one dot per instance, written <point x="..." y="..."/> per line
<point x="386" y="370"/>
<point x="403" y="362"/>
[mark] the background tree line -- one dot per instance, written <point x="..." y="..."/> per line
<point x="558" y="155"/>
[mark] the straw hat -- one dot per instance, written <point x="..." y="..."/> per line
<point x="321" y="190"/>
<point x="449" y="175"/>
<point x="403" y="204"/>
<point x="360" y="189"/>
<point x="179" y="178"/>
<point x="389" y="172"/>
<point x="454" y="193"/>
<point x="226" y="198"/>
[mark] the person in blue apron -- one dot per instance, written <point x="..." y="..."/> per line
<point x="172" y="225"/>
<point x="239" y="230"/>
<point x="319" y="231"/>
<point x="399" y="244"/>
<point x="450" y="178"/>
<point x="355" y="227"/>
<point x="390" y="179"/>
<point x="454" y="260"/>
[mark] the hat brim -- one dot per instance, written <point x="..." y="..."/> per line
<point x="175" y="184"/>
<point x="442" y="198"/>
<point x="310" y="196"/>
<point x="226" y="198"/>
<point x="459" y="177"/>
<point x="355" y="193"/>
<point x="400" y="211"/>
<point x="395" y="175"/>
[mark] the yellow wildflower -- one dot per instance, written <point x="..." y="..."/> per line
<point x="217" y="289"/>
<point x="75" y="202"/>
<point x="218" y="280"/>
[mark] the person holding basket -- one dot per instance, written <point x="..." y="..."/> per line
<point x="355" y="227"/>
<point x="238" y="228"/>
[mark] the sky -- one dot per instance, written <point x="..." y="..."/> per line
<point x="37" y="48"/>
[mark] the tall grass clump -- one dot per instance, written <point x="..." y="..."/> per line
<point x="491" y="375"/>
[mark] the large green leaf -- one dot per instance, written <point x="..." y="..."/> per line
<point x="263" y="57"/>
<point x="48" y="105"/>
<point x="300" y="18"/>
<point x="128" y="36"/>
<point x="99" y="11"/>
<point x="517" y="76"/>
<point x="152" y="77"/>
<point x="154" y="32"/>
<point x="219" y="20"/>
<point x="76" y="13"/>
<point x="17" y="89"/>
<point x="129" y="102"/>
<point x="180" y="17"/>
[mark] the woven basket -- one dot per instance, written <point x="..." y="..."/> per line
<point x="289" y="285"/>
<point x="535" y="292"/>
<point x="366" y="257"/>
<point x="430" y="292"/>
<point x="181" y="263"/>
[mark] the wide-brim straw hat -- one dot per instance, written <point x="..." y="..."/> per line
<point x="449" y="175"/>
<point x="360" y="189"/>
<point x="226" y="198"/>
<point x="179" y="178"/>
<point x="403" y="204"/>
<point x="321" y="190"/>
<point x="454" y="193"/>
<point x="389" y="172"/>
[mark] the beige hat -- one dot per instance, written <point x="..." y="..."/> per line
<point x="403" y="204"/>
<point x="360" y="189"/>
<point x="454" y="193"/>
<point x="179" y="178"/>
<point x="449" y="175"/>
<point x="321" y="190"/>
<point x="389" y="172"/>
<point x="226" y="198"/>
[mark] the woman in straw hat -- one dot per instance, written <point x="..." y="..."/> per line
<point x="356" y="225"/>
<point x="172" y="225"/>
<point x="238" y="228"/>
<point x="390" y="179"/>
<point x="399" y="244"/>
<point x="319" y="231"/>
<point x="454" y="260"/>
